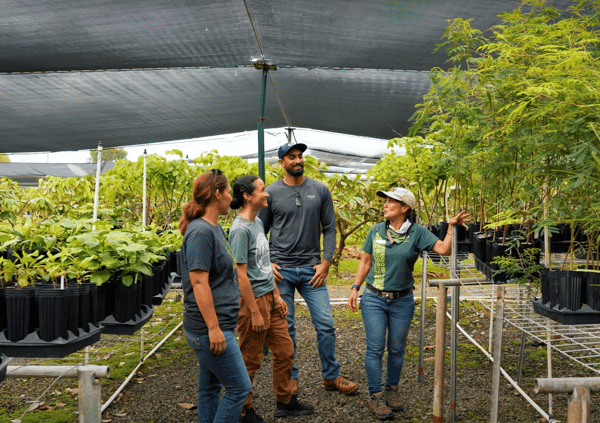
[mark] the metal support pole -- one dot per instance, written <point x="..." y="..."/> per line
<point x="455" y="317"/>
<point x="580" y="402"/>
<point x="98" y="173"/>
<point x="144" y="195"/>
<point x="261" y="125"/>
<point x="454" y="282"/>
<point x="89" y="388"/>
<point x="497" y="351"/>
<point x="89" y="397"/>
<point x="580" y="406"/>
<point x="521" y="356"/>
<point x="423" y="299"/>
<point x="492" y="314"/>
<point x="440" y="355"/>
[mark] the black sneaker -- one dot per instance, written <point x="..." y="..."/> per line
<point x="251" y="416"/>
<point x="293" y="408"/>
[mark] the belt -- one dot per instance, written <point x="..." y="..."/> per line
<point x="389" y="295"/>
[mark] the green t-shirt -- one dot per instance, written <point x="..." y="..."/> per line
<point x="250" y="246"/>
<point x="393" y="263"/>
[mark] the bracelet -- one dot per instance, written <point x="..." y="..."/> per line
<point x="355" y="286"/>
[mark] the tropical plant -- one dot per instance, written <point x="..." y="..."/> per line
<point x="110" y="154"/>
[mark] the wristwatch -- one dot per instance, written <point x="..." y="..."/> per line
<point x="357" y="287"/>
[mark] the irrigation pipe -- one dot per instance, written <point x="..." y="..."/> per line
<point x="506" y="375"/>
<point x="142" y="361"/>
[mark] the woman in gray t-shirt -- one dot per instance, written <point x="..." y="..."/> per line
<point x="211" y="301"/>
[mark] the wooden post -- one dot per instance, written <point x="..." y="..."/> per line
<point x="440" y="355"/>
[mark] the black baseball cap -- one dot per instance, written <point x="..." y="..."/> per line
<point x="287" y="147"/>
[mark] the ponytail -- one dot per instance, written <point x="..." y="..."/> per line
<point x="203" y="192"/>
<point x="244" y="184"/>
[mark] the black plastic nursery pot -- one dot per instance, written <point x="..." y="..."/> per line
<point x="545" y="288"/>
<point x="106" y="299"/>
<point x="173" y="261"/>
<point x="126" y="302"/>
<point x="73" y="308"/>
<point x="147" y="290"/>
<point x="497" y="250"/>
<point x="53" y="308"/>
<point x="2" y="308"/>
<point x="19" y="306"/>
<point x="565" y="295"/>
<point x="570" y="290"/>
<point x="88" y="305"/>
<point x="592" y="290"/>
<point x="553" y="288"/>
<point x="179" y="261"/>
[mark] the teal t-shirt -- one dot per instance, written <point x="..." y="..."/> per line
<point x="250" y="246"/>
<point x="393" y="263"/>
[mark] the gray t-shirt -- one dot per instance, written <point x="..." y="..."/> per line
<point x="295" y="216"/>
<point x="250" y="246"/>
<point x="205" y="248"/>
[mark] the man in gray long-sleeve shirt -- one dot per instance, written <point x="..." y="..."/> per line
<point x="299" y="209"/>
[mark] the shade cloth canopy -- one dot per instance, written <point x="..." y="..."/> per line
<point x="28" y="174"/>
<point x="132" y="71"/>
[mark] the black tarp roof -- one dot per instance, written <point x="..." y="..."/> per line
<point x="133" y="71"/>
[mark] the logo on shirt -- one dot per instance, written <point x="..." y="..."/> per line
<point x="263" y="260"/>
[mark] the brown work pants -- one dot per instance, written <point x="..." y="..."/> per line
<point x="276" y="337"/>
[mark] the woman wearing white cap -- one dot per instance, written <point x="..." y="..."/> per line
<point x="389" y="255"/>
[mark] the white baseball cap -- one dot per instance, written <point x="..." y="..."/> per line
<point x="400" y="194"/>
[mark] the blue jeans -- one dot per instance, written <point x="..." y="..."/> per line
<point x="317" y="299"/>
<point x="381" y="316"/>
<point x="226" y="370"/>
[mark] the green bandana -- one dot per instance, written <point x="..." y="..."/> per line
<point x="396" y="237"/>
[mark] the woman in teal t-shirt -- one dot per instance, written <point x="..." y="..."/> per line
<point x="389" y="255"/>
<point x="262" y="310"/>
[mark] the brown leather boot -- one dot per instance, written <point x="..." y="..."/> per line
<point x="379" y="407"/>
<point x="392" y="399"/>
<point x="342" y="385"/>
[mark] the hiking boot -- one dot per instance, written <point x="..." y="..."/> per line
<point x="379" y="407"/>
<point x="392" y="398"/>
<point x="342" y="385"/>
<point x="293" y="408"/>
<point x="251" y="416"/>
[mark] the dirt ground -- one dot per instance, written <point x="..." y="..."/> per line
<point x="165" y="390"/>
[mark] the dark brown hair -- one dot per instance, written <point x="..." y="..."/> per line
<point x="244" y="184"/>
<point x="205" y="187"/>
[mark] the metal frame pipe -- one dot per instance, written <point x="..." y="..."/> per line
<point x="565" y="384"/>
<point x="261" y="124"/>
<point x="457" y="281"/>
<point x="89" y="392"/>
<point x="97" y="189"/>
<point x="144" y="214"/>
<point x="56" y="371"/>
